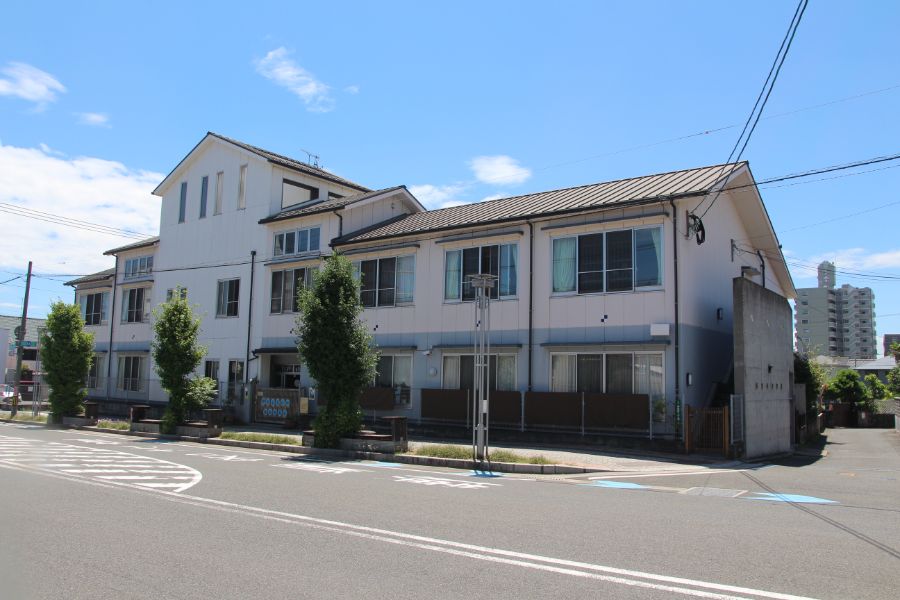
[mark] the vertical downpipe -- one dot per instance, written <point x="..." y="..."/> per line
<point x="249" y="323"/>
<point x="530" y="308"/>
<point x="112" y="325"/>
<point x="679" y="427"/>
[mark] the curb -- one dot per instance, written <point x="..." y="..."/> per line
<point x="430" y="461"/>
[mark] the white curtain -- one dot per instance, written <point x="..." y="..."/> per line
<point x="564" y="265"/>
<point x="451" y="372"/>
<point x="562" y="373"/>
<point x="406" y="278"/>
<point x="506" y="372"/>
<point x="451" y="275"/>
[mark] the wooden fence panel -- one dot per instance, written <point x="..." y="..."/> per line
<point x="377" y="398"/>
<point x="445" y="405"/>
<point x="553" y="409"/>
<point x="506" y="408"/>
<point x="616" y="411"/>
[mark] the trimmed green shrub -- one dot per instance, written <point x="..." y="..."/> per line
<point x="66" y="354"/>
<point x="337" y="348"/>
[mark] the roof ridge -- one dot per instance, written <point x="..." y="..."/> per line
<point x="584" y="185"/>
<point x="261" y="150"/>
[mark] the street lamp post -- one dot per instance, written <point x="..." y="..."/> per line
<point x="483" y="284"/>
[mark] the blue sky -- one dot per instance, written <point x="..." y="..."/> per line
<point x="460" y="102"/>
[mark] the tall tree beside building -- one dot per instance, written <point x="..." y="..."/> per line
<point x="336" y="348"/>
<point x="66" y="355"/>
<point x="177" y="354"/>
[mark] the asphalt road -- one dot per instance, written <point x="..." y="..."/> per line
<point x="87" y="515"/>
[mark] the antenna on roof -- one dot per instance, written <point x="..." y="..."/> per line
<point x="311" y="159"/>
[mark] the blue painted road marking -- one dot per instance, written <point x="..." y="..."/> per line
<point x="479" y="473"/>
<point x="385" y="465"/>
<point x="622" y="485"/>
<point x="796" y="498"/>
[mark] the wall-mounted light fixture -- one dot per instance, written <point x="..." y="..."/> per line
<point x="720" y="314"/>
<point x="689" y="379"/>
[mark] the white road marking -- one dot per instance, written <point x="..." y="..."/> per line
<point x="225" y="457"/>
<point x="318" y="468"/>
<point x="673" y="474"/>
<point x="97" y="462"/>
<point x="436" y="481"/>
<point x="639" y="579"/>
<point x="98" y="442"/>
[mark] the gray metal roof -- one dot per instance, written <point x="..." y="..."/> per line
<point x="675" y="184"/>
<point x="31" y="327"/>
<point x="99" y="276"/>
<point x="327" y="205"/>
<point x="141" y="244"/>
<point x="291" y="163"/>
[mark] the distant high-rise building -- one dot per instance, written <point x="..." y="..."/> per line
<point x="826" y="275"/>
<point x="890" y="338"/>
<point x="835" y="322"/>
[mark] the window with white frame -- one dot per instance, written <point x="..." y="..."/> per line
<point x="286" y="286"/>
<point x="386" y="281"/>
<point x="299" y="241"/>
<point x="131" y="373"/>
<point x="204" y="193"/>
<point x="227" y="297"/>
<point x="609" y="373"/>
<point x="497" y="260"/>
<point x="220" y="192"/>
<point x="242" y="188"/>
<point x="182" y="202"/>
<point x="133" y="305"/>
<point x="137" y="267"/>
<point x="182" y="293"/>
<point x="95" y="373"/>
<point x="395" y="372"/>
<point x="610" y="261"/>
<point x="211" y="369"/>
<point x="293" y="192"/>
<point x="94" y="307"/>
<point x="459" y="372"/>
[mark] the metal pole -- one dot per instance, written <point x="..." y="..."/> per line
<point x="19" y="347"/>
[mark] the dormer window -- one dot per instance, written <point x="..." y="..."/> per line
<point x="136" y="267"/>
<point x="297" y="242"/>
<point x="293" y="192"/>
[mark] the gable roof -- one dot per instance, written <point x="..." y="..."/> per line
<point x="331" y="205"/>
<point x="99" y="276"/>
<point x="151" y="241"/>
<point x="621" y="192"/>
<point x="272" y="157"/>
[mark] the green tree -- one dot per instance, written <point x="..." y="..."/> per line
<point x="813" y="375"/>
<point x="895" y="350"/>
<point x="893" y="378"/>
<point x="875" y="389"/>
<point x="177" y="354"/>
<point x="336" y="347"/>
<point x="66" y="355"/>
<point x="847" y="387"/>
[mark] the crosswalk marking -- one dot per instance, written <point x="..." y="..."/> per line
<point x="98" y="462"/>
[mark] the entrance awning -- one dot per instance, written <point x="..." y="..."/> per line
<point x="275" y="350"/>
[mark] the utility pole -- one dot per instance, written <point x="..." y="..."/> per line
<point x="20" y="339"/>
<point x="483" y="284"/>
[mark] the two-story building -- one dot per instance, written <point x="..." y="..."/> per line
<point x="606" y="312"/>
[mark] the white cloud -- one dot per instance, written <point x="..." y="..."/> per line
<point x="860" y="259"/>
<point x="85" y="188"/>
<point x="499" y="170"/>
<point x="352" y="89"/>
<point x="29" y="83"/>
<point x="438" y="196"/>
<point x="94" y="119"/>
<point x="493" y="197"/>
<point x="280" y="68"/>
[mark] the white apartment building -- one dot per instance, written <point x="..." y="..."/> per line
<point x="603" y="298"/>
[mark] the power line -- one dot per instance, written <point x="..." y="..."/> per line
<point x="29" y="213"/>
<point x="8" y="280"/>
<point x="761" y="100"/>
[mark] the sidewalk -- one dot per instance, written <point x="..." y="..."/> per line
<point x="593" y="458"/>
